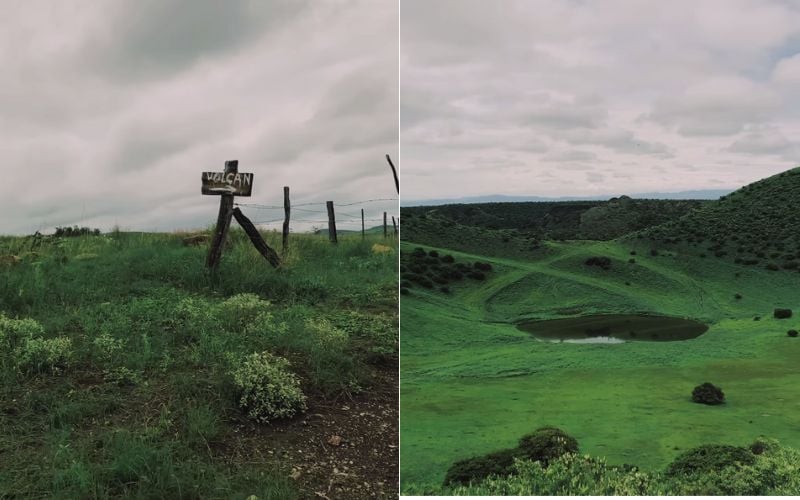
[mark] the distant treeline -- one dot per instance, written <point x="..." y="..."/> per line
<point x="68" y="231"/>
<point x="596" y="220"/>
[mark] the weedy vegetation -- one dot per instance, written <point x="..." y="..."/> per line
<point x="127" y="370"/>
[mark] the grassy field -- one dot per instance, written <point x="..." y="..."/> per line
<point x="120" y="355"/>
<point x="473" y="383"/>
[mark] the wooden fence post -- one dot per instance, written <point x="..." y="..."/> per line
<point x="223" y="221"/>
<point x="363" y="234"/>
<point x="394" y="172"/>
<point x="331" y="222"/>
<point x="394" y="223"/>
<point x="384" y="225"/>
<point x="287" y="209"/>
<point x="256" y="238"/>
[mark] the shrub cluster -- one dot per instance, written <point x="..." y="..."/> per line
<point x="433" y="271"/>
<point x="267" y="389"/>
<point x="543" y="445"/>
<point x="782" y="313"/>
<point x="601" y="262"/>
<point x="29" y="351"/>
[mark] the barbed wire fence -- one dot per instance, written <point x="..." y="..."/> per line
<point x="309" y="215"/>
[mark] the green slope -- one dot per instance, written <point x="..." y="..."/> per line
<point x="757" y="225"/>
<point x="472" y="383"/>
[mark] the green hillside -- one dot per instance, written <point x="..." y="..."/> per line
<point x="757" y="225"/>
<point x="597" y="220"/>
<point x="473" y="382"/>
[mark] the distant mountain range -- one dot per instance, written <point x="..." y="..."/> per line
<point x="707" y="194"/>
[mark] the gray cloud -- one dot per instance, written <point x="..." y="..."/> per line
<point x="660" y="84"/>
<point x="117" y="110"/>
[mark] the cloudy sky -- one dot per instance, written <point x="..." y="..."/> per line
<point x="111" y="110"/>
<point x="557" y="98"/>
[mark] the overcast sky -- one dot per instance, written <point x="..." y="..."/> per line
<point x="562" y="97"/>
<point x="111" y="110"/>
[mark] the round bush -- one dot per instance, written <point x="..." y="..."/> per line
<point x="267" y="389"/>
<point x="477" y="275"/>
<point x="782" y="313"/>
<point x="792" y="333"/>
<point x="547" y="444"/>
<point x="708" y="394"/>
<point x="710" y="458"/>
<point x="499" y="463"/>
<point x="483" y="266"/>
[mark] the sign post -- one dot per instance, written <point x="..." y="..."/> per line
<point x="228" y="184"/>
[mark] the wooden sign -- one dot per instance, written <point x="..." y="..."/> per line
<point x="230" y="183"/>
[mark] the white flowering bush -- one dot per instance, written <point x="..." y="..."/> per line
<point x="107" y="347"/>
<point x="268" y="390"/>
<point x="324" y="335"/>
<point x="31" y="353"/>
<point x="15" y="332"/>
<point x="241" y="309"/>
<point x="39" y="354"/>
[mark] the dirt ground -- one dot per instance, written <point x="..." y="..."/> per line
<point x="339" y="449"/>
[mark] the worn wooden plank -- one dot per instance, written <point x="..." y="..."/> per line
<point x="223" y="221"/>
<point x="261" y="245"/>
<point x="331" y="222"/>
<point x="227" y="183"/>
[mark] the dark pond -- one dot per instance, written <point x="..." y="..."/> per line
<point x="614" y="328"/>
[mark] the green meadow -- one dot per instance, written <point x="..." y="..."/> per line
<point x="125" y="366"/>
<point x="472" y="383"/>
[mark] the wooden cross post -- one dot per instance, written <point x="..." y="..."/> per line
<point x="225" y="211"/>
<point x="228" y="184"/>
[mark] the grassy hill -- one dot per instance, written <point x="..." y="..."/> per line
<point x="599" y="220"/>
<point x="124" y="368"/>
<point x="757" y="225"/>
<point x="473" y="382"/>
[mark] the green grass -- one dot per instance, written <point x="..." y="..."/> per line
<point x="472" y="383"/>
<point x="142" y="403"/>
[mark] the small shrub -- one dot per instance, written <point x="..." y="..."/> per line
<point x="546" y="444"/>
<point x="738" y="296"/>
<point x="15" y="332"/>
<point x="107" y="348"/>
<point x="782" y="313"/>
<point x="477" y="275"/>
<point x="499" y="463"/>
<point x="709" y="458"/>
<point x="39" y="354"/>
<point x="267" y="389"/>
<point x="601" y="262"/>
<point x="482" y="266"/>
<point x="122" y="376"/>
<point x="708" y="394"/>
<point x="448" y="259"/>
<point x="631" y="261"/>
<point x="433" y="253"/>
<point x="792" y="333"/>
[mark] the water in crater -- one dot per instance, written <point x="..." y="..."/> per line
<point x="614" y="329"/>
